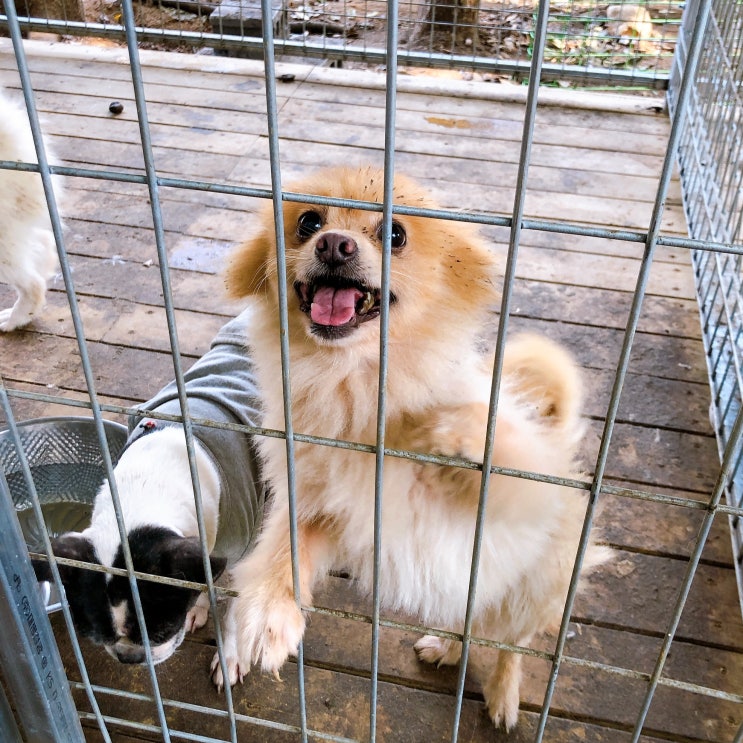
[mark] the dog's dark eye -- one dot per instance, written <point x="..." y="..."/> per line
<point x="398" y="236"/>
<point x="309" y="223"/>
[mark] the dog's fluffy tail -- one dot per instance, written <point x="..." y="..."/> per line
<point x="543" y="373"/>
<point x="548" y="377"/>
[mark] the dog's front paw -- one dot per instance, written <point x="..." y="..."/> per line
<point x="438" y="650"/>
<point x="258" y="633"/>
<point x="269" y="632"/>
<point x="198" y="614"/>
<point x="459" y="431"/>
<point x="235" y="671"/>
<point x="8" y="323"/>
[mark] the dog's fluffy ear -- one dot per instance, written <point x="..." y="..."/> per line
<point x="180" y="557"/>
<point x="73" y="546"/>
<point x="85" y="589"/>
<point x="249" y="266"/>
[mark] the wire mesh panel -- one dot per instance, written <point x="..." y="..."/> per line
<point x="586" y="42"/>
<point x="710" y="158"/>
<point x="174" y="156"/>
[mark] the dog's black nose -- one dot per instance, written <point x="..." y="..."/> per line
<point x="335" y="248"/>
<point x="130" y="653"/>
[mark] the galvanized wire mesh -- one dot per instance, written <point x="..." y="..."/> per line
<point x="588" y="42"/>
<point x="515" y="223"/>
<point x="711" y="162"/>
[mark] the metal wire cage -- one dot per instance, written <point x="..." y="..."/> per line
<point x="592" y="43"/>
<point x="710" y="157"/>
<point x="653" y="680"/>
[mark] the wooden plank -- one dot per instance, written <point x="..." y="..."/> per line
<point x="299" y="159"/>
<point x="640" y="591"/>
<point x="650" y="457"/>
<point x="655" y="457"/>
<point x="214" y="130"/>
<point x="334" y="86"/>
<point x="196" y="135"/>
<point x="599" y="347"/>
<point x="224" y="141"/>
<point x="203" y="289"/>
<point x="329" y="643"/>
<point x="635" y="525"/>
<point x="606" y="307"/>
<point x="78" y="198"/>
<point x="422" y="83"/>
<point x="101" y="284"/>
<point x="212" y="158"/>
<point x="141" y="283"/>
<point x="485" y="127"/>
<point x="112" y="366"/>
<point x="130" y="244"/>
<point x="653" y="401"/>
<point x="26" y="409"/>
<point x="122" y="323"/>
<point x="338" y="701"/>
<point x="448" y="104"/>
<point x="593" y="245"/>
<point x="566" y="267"/>
<point x="79" y="190"/>
<point x="580" y="158"/>
<point x="246" y="96"/>
<point x="82" y="152"/>
<point x="620" y="274"/>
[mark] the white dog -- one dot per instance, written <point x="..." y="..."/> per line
<point x="438" y="388"/>
<point x="27" y="250"/>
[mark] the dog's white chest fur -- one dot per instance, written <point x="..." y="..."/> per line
<point x="428" y="525"/>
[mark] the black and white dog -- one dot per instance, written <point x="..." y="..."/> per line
<point x="157" y="501"/>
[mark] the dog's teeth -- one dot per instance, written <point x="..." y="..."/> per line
<point x="367" y="304"/>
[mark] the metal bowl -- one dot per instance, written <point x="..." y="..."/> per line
<point x="67" y="468"/>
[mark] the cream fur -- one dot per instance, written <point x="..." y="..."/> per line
<point x="27" y="249"/>
<point x="438" y="388"/>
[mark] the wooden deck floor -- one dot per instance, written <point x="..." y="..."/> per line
<point x="597" y="163"/>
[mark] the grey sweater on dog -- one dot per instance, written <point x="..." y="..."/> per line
<point x="220" y="387"/>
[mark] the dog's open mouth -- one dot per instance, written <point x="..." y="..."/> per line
<point x="337" y="309"/>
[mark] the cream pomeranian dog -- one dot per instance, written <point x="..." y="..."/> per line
<point x="28" y="255"/>
<point x="441" y="291"/>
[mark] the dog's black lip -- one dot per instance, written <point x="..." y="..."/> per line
<point x="305" y="291"/>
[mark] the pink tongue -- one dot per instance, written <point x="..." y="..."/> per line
<point x="334" y="306"/>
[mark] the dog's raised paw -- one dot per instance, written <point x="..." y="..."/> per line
<point x="460" y="431"/>
<point x="438" y="650"/>
<point x="264" y="633"/>
<point x="283" y="625"/>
